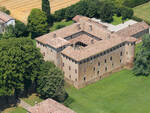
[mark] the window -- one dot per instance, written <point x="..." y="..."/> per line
<point x="111" y="58"/>
<point x="127" y="53"/>
<point x="99" y="64"/>
<point x="76" y="79"/>
<point x="75" y="71"/>
<point x="112" y="64"/>
<point x="105" y="68"/>
<point x="84" y="78"/>
<point x="94" y="69"/>
<point x="97" y="72"/>
<point x="121" y="53"/>
<point x="69" y="68"/>
<point x="120" y="60"/>
<point x="70" y="76"/>
<point x="105" y="61"/>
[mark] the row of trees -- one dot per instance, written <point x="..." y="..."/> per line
<point x="22" y="66"/>
<point x="142" y="59"/>
<point x="94" y="8"/>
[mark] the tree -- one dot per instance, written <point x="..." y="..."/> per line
<point x="126" y="12"/>
<point x="51" y="84"/>
<point x="19" y="66"/>
<point x="46" y="9"/>
<point x="106" y="11"/>
<point x="37" y="23"/>
<point x="3" y="9"/>
<point x="20" y="29"/>
<point x="142" y="59"/>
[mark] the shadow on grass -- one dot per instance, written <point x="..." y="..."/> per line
<point x="7" y="102"/>
<point x="68" y="101"/>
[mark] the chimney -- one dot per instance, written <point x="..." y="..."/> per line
<point x="108" y="36"/>
<point x="129" y="25"/>
<point x="78" y="27"/>
<point x="92" y="41"/>
<point x="90" y="27"/>
<point x="54" y="35"/>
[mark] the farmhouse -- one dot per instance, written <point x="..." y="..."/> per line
<point x="5" y="20"/>
<point x="86" y="51"/>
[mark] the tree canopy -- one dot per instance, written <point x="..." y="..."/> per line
<point x="37" y="23"/>
<point x="19" y="66"/>
<point x="142" y="59"/>
<point x="47" y="10"/>
<point x="50" y="83"/>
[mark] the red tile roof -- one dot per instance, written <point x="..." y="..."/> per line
<point x="133" y="29"/>
<point x="97" y="47"/>
<point x="4" y="17"/>
<point x="50" y="106"/>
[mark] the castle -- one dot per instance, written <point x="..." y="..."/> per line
<point x="87" y="51"/>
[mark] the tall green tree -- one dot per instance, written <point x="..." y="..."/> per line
<point x="50" y="83"/>
<point x="47" y="10"/>
<point x="37" y="23"/>
<point x="20" y="63"/>
<point x="142" y="59"/>
<point x="106" y="11"/>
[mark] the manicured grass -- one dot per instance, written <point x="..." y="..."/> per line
<point x="122" y="92"/>
<point x="62" y="23"/>
<point x="14" y="110"/>
<point x="117" y="20"/>
<point x="19" y="110"/>
<point x="32" y="99"/>
<point x="143" y="11"/>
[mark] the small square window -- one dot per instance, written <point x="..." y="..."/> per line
<point x="69" y="68"/>
<point x="94" y="69"/>
<point x="121" y="53"/>
<point x="75" y="71"/>
<point x="120" y="61"/>
<point x="105" y="68"/>
<point x="111" y="58"/>
<point x="99" y="64"/>
<point x="105" y="61"/>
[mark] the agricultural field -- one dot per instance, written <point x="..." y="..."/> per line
<point x="20" y="9"/>
<point x="121" y="92"/>
<point x="143" y="11"/>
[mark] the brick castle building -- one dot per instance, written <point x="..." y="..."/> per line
<point x="86" y="51"/>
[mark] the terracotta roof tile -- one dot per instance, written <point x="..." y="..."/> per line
<point x="50" y="106"/>
<point x="98" y="47"/>
<point x="4" y="17"/>
<point x="133" y="29"/>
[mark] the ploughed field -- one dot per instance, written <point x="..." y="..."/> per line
<point x="143" y="11"/>
<point x="20" y="9"/>
<point x="121" y="92"/>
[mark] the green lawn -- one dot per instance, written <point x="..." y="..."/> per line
<point x="117" y="20"/>
<point x="32" y="99"/>
<point x="14" y="110"/>
<point x="122" y="92"/>
<point x="19" y="110"/>
<point x="58" y="25"/>
<point x="143" y="11"/>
